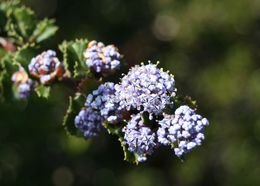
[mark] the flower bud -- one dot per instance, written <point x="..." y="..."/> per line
<point x="46" y="67"/>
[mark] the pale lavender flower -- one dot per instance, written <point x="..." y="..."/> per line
<point x="185" y="128"/>
<point x="139" y="138"/>
<point x="146" y="88"/>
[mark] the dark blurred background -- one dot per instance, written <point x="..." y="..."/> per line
<point x="213" y="49"/>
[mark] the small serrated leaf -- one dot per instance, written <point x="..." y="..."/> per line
<point x="77" y="48"/>
<point x="21" y="21"/>
<point x="44" y="30"/>
<point x="63" y="47"/>
<point x="43" y="91"/>
<point x="25" y="20"/>
<point x="73" y="58"/>
<point x="79" y="71"/>
<point x="24" y="55"/>
<point x="75" y="105"/>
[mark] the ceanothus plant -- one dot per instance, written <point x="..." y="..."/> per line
<point x="142" y="108"/>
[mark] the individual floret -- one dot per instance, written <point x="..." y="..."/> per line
<point x="146" y="88"/>
<point x="102" y="100"/>
<point x="88" y="121"/>
<point x="185" y="128"/>
<point x="46" y="67"/>
<point x="102" y="59"/>
<point x="24" y="85"/>
<point x="139" y="138"/>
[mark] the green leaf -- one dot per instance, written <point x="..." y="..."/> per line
<point x="6" y="70"/>
<point x="21" y="23"/>
<point x="77" y="47"/>
<point x="25" y="20"/>
<point x="128" y="156"/>
<point x="7" y="4"/>
<point x="116" y="129"/>
<point x="79" y="71"/>
<point x="75" y="105"/>
<point x="73" y="57"/>
<point x="8" y="61"/>
<point x="63" y="47"/>
<point x="44" y="30"/>
<point x="43" y="91"/>
<point x="24" y="55"/>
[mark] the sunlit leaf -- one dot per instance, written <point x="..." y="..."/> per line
<point x="73" y="57"/>
<point x="44" y="30"/>
<point x="43" y="91"/>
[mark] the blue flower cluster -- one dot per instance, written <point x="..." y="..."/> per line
<point x="88" y="121"/>
<point x="46" y="67"/>
<point x="146" y="88"/>
<point x="24" y="85"/>
<point x="139" y="138"/>
<point x="103" y="100"/>
<point x="102" y="59"/>
<point x="99" y="107"/>
<point x="185" y="128"/>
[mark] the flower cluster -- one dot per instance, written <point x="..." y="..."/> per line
<point x="23" y="84"/>
<point x="103" y="100"/>
<point x="99" y="107"/>
<point x="185" y="128"/>
<point x="142" y="109"/>
<point x="89" y="122"/>
<point x="102" y="59"/>
<point x="46" y="67"/>
<point x="139" y="138"/>
<point x="146" y="88"/>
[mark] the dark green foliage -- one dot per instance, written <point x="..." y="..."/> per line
<point x="7" y="67"/>
<point x="75" y="105"/>
<point x="21" y="24"/>
<point x="21" y="27"/>
<point x="73" y="57"/>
